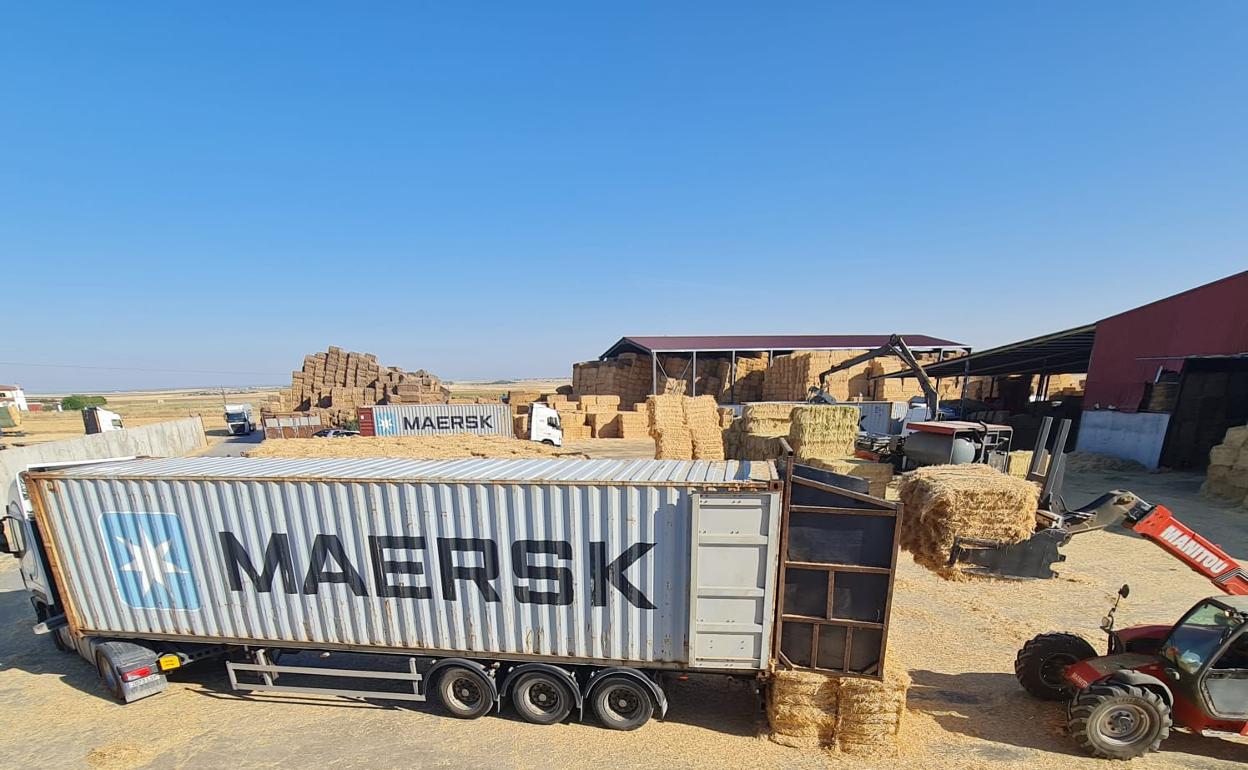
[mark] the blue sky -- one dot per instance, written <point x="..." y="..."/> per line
<point x="496" y="190"/>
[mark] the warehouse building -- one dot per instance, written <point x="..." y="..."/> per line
<point x="743" y="368"/>
<point x="1164" y="381"/>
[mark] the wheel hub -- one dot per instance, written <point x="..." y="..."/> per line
<point x="1124" y="724"/>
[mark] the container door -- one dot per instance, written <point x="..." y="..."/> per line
<point x="733" y="575"/>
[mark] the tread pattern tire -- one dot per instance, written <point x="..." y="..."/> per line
<point x="541" y="699"/>
<point x="1088" y="706"/>
<point x="621" y="703"/>
<point x="464" y="692"/>
<point x="1038" y="664"/>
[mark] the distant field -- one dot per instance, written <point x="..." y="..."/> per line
<point x="140" y="408"/>
<point x="136" y="409"/>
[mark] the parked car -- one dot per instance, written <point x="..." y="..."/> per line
<point x="335" y="433"/>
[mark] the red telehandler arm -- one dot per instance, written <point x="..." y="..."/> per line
<point x="1157" y="524"/>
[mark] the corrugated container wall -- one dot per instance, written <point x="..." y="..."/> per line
<point x="436" y="419"/>
<point x="586" y="560"/>
<point x="1130" y="347"/>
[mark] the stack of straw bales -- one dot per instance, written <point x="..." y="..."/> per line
<point x="685" y="428"/>
<point x="1227" y="477"/>
<point x="822" y="432"/>
<point x="626" y="376"/>
<point x="878" y="475"/>
<point x="702" y="419"/>
<point x="756" y="434"/>
<point x="335" y="383"/>
<point x="791" y="377"/>
<point x="862" y="717"/>
<point x="943" y="502"/>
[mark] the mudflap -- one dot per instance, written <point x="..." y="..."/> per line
<point x="1032" y="558"/>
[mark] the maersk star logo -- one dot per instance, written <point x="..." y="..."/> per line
<point x="151" y="566"/>
<point x="386" y="426"/>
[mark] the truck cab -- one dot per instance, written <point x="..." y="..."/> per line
<point x="240" y="419"/>
<point x="544" y="425"/>
<point x="97" y="419"/>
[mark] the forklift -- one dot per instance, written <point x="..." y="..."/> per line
<point x="1194" y="673"/>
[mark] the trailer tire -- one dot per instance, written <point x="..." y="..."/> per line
<point x="541" y="698"/>
<point x="109" y="676"/>
<point x="63" y="641"/>
<point x="621" y="703"/>
<point x="464" y="692"/>
<point x="1041" y="662"/>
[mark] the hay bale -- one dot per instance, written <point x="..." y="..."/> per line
<point x="802" y="708"/>
<point x="673" y="444"/>
<point x="870" y="712"/>
<point x="708" y="444"/>
<point x="823" y="432"/>
<point x="765" y="419"/>
<point x="1019" y="461"/>
<point x="943" y="502"/>
<point x="878" y="475"/>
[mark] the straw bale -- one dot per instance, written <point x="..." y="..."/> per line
<point x="708" y="444"/>
<point x="825" y="432"/>
<point x="604" y="424"/>
<point x="1223" y="454"/>
<point x="878" y="475"/>
<point x="769" y="411"/>
<point x="1019" y="462"/>
<point x="944" y="502"/>
<point x="756" y="447"/>
<point x="870" y="712"/>
<point x="1236" y="437"/>
<point x="802" y="708"/>
<point x="700" y="410"/>
<point x="673" y="444"/>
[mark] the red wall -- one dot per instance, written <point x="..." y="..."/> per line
<point x="1208" y="320"/>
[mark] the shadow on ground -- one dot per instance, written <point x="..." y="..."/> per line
<point x="992" y="707"/>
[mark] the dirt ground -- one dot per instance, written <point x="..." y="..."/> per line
<point x="957" y="640"/>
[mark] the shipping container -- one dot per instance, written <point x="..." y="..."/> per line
<point x="436" y="419"/>
<point x="492" y="574"/>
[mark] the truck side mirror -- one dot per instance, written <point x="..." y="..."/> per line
<point x="1125" y="591"/>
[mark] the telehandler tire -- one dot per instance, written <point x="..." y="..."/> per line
<point x="1042" y="661"/>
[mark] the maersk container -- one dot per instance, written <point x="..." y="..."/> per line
<point x="436" y="419"/>
<point x="648" y="563"/>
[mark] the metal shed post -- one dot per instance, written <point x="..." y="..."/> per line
<point x="693" y="383"/>
<point x="654" y="373"/>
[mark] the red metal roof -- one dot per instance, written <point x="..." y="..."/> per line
<point x="1131" y="346"/>
<point x="761" y="342"/>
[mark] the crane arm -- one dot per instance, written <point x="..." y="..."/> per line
<point x="896" y="346"/>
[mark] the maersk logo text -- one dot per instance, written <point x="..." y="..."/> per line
<point x="150" y="563"/>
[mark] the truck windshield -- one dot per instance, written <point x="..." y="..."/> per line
<point x="1194" y="641"/>
<point x="235" y="417"/>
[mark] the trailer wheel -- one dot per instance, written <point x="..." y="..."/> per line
<point x="464" y="692"/>
<point x="1119" y="721"/>
<point x="1041" y="663"/>
<point x="541" y="698"/>
<point x="63" y="641"/>
<point x="109" y="676"/>
<point x="622" y="704"/>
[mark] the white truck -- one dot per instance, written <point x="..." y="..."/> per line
<point x="97" y="419"/>
<point x="240" y="419"/>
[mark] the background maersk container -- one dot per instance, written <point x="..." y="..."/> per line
<point x="436" y="419"/>
<point x="650" y="562"/>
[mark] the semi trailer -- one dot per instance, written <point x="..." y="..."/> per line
<point x="556" y="586"/>
<point x="448" y="419"/>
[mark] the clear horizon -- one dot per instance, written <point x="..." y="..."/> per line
<point x="201" y="195"/>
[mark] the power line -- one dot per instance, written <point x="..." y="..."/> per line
<point x="137" y="369"/>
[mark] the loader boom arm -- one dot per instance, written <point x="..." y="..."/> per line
<point x="1158" y="525"/>
<point x="896" y="346"/>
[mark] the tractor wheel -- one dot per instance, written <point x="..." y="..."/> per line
<point x="1041" y="663"/>
<point x="1119" y="721"/>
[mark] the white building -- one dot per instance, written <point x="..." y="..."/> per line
<point x="12" y="394"/>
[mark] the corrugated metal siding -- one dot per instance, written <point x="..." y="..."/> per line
<point x="1129" y="347"/>
<point x="439" y="419"/>
<point x="624" y="471"/>
<point x="647" y="508"/>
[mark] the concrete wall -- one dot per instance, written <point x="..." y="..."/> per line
<point x="164" y="439"/>
<point x="1137" y="436"/>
